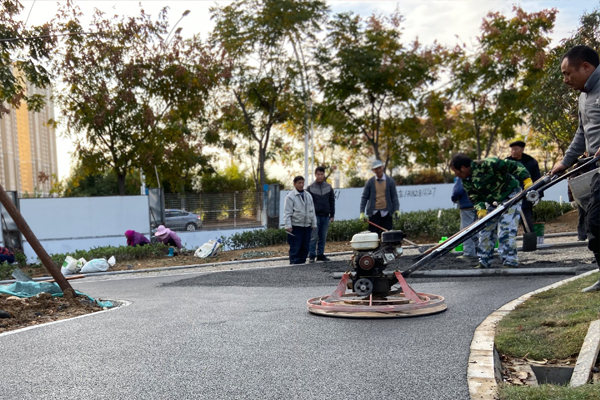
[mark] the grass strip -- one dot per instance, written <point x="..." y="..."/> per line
<point x="547" y="392"/>
<point x="551" y="324"/>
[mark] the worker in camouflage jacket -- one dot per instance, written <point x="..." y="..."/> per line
<point x="489" y="183"/>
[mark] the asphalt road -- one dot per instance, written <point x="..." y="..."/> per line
<point x="247" y="335"/>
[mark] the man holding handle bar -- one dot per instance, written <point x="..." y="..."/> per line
<point x="579" y="67"/>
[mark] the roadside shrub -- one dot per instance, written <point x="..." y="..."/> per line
<point x="425" y="177"/>
<point x="426" y="224"/>
<point x="356" y="182"/>
<point x="340" y="231"/>
<point x="549" y="210"/>
<point x="418" y="224"/>
<point x="6" y="270"/>
<point x="255" y="238"/>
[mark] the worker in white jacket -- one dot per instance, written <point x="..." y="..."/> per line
<point x="300" y="220"/>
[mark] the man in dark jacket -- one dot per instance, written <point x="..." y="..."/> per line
<point x="379" y="200"/>
<point x="531" y="165"/>
<point x="324" y="199"/>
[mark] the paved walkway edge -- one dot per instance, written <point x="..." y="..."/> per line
<point x="483" y="369"/>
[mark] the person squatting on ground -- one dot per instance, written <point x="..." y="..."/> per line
<point x="135" y="239"/>
<point x="468" y="215"/>
<point x="324" y="200"/>
<point x="494" y="181"/>
<point x="168" y="237"/>
<point x="300" y="220"/>
<point x="579" y="67"/>
<point x="6" y="255"/>
<point x="532" y="166"/>
<point x="379" y="200"/>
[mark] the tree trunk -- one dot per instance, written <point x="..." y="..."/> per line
<point x="34" y="243"/>
<point x="121" y="181"/>
<point x="261" y="167"/>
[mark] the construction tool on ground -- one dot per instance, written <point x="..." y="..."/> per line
<point x="529" y="237"/>
<point x="421" y="249"/>
<point x="367" y="291"/>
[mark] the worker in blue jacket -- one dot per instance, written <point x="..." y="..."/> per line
<point x="468" y="215"/>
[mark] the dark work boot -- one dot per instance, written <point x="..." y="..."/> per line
<point x="596" y="286"/>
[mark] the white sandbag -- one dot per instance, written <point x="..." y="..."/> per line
<point x="95" y="265"/>
<point x="209" y="249"/>
<point x="69" y="266"/>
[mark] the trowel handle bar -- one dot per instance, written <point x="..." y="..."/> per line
<point x="534" y="195"/>
<point x="471" y="230"/>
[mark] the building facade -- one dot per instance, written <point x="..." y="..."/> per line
<point x="28" y="156"/>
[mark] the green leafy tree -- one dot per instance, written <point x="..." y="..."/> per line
<point x="231" y="179"/>
<point x="131" y="99"/>
<point x="24" y="57"/>
<point x="262" y="92"/>
<point x="100" y="183"/>
<point x="370" y="80"/>
<point x="553" y="105"/>
<point x="495" y="82"/>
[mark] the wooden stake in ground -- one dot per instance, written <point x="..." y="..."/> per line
<point x="35" y="244"/>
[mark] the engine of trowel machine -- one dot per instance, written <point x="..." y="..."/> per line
<point x="372" y="254"/>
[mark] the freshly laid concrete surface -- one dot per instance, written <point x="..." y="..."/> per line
<point x="247" y="335"/>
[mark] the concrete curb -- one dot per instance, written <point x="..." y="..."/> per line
<point x="587" y="355"/>
<point x="483" y="369"/>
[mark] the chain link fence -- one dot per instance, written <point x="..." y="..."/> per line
<point x="192" y="211"/>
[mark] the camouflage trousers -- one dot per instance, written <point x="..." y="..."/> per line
<point x="503" y="229"/>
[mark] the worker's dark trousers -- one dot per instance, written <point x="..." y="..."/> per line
<point x="384" y="222"/>
<point x="592" y="221"/>
<point x="299" y="244"/>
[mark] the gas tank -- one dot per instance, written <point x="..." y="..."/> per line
<point x="365" y="241"/>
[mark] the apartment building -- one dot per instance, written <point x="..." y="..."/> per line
<point x="28" y="156"/>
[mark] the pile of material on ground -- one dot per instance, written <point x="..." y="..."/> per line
<point x="24" y="304"/>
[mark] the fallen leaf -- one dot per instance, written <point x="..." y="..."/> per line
<point x="523" y="375"/>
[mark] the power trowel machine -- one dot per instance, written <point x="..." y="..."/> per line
<point x="366" y="290"/>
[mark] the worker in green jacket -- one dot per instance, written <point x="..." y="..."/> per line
<point x="490" y="182"/>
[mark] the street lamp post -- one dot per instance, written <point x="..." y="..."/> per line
<point x="185" y="14"/>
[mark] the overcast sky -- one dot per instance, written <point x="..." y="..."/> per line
<point x="429" y="20"/>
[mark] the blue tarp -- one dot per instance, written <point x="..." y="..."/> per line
<point x="31" y="289"/>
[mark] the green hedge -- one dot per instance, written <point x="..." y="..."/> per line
<point x="415" y="225"/>
<point x="549" y="210"/>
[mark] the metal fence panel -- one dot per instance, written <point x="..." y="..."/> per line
<point x="216" y="210"/>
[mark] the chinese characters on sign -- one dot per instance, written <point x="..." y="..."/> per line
<point x="416" y="192"/>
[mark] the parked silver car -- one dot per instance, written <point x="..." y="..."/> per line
<point x="182" y="220"/>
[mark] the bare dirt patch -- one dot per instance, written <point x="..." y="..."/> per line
<point x="43" y="308"/>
